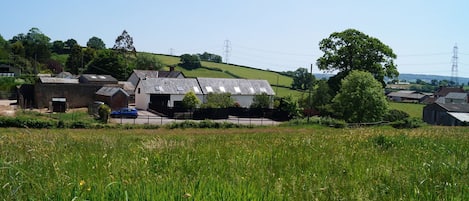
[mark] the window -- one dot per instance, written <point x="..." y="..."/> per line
<point x="237" y="89"/>
<point x="179" y="88"/>
<point x="252" y="90"/>
<point x="159" y="88"/>
<point x="222" y="89"/>
<point x="138" y="91"/>
<point x="263" y="90"/>
<point x="102" y="77"/>
<point x="209" y="89"/>
<point x="93" y="77"/>
<point x="196" y="90"/>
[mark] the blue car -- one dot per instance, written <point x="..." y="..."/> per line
<point x="125" y="113"/>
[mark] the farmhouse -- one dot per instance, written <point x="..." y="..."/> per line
<point x="9" y="71"/>
<point x="443" y="91"/>
<point x="448" y="114"/>
<point x="242" y="90"/>
<point x="161" y="93"/>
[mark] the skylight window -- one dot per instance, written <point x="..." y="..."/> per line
<point x="252" y="90"/>
<point x="196" y="90"/>
<point x="209" y="89"/>
<point x="237" y="89"/>
<point x="102" y="77"/>
<point x="159" y="88"/>
<point x="179" y="88"/>
<point x="263" y="90"/>
<point x="93" y="77"/>
<point x="222" y="89"/>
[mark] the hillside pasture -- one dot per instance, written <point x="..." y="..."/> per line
<point x="413" y="109"/>
<point x="277" y="163"/>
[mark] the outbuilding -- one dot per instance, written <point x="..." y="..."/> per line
<point x="115" y="97"/>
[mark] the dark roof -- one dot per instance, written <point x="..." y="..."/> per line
<point x="156" y="74"/>
<point x="169" y="85"/>
<point x="127" y="86"/>
<point x="235" y="86"/>
<point x="443" y="91"/>
<point x="65" y="75"/>
<point x="55" y="80"/>
<point x="407" y="94"/>
<point x="110" y="91"/>
<point x="453" y="107"/>
<point x="98" y="78"/>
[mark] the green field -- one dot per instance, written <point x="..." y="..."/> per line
<point x="277" y="163"/>
<point x="413" y="109"/>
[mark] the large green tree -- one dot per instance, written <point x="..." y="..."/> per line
<point x="125" y="43"/>
<point x="353" y="50"/>
<point x="360" y="99"/>
<point x="302" y="79"/>
<point x="96" y="43"/>
<point x="189" y="61"/>
<point x="108" y="62"/>
<point x="75" y="60"/>
<point x="148" y="62"/>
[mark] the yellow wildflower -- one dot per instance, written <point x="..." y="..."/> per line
<point x="82" y="182"/>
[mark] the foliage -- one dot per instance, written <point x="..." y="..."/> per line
<point x="395" y="115"/>
<point x="189" y="61"/>
<point x="320" y="98"/>
<point x="190" y="100"/>
<point x="410" y="122"/>
<point x="210" y="57"/>
<point x="58" y="47"/>
<point x="414" y="110"/>
<point x="302" y="79"/>
<point x="96" y="43"/>
<point x="361" y="99"/>
<point x="104" y="111"/>
<point x="353" y="50"/>
<point x="218" y="100"/>
<point x="148" y="62"/>
<point x="261" y="101"/>
<point x="108" y="62"/>
<point x="75" y="60"/>
<point x="125" y="43"/>
<point x="204" y="124"/>
<point x="287" y="106"/>
<point x="324" y="121"/>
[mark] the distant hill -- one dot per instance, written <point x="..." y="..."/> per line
<point x="428" y="78"/>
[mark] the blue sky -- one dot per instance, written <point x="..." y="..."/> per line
<point x="276" y="35"/>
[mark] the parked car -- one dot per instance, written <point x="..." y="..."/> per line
<point x="125" y="113"/>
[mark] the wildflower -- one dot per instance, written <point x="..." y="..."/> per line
<point x="187" y="195"/>
<point x="82" y="182"/>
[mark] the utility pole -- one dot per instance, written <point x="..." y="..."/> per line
<point x="454" y="67"/>
<point x="309" y="99"/>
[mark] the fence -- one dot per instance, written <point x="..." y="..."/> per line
<point x="157" y="120"/>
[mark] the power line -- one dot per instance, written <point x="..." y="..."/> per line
<point x="227" y="50"/>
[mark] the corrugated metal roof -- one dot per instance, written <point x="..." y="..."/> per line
<point x="463" y="117"/>
<point x="110" y="91"/>
<point x="169" y="86"/>
<point x="56" y="80"/>
<point x="235" y="86"/>
<point x="454" y="107"/>
<point x="98" y="78"/>
<point x="406" y="94"/>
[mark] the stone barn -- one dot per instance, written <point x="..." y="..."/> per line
<point x="115" y="97"/>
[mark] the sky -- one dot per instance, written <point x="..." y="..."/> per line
<point x="267" y="34"/>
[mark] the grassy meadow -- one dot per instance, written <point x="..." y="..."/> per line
<point x="275" y="163"/>
<point x="413" y="109"/>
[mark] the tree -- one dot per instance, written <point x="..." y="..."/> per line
<point x="36" y="45"/>
<point x="190" y="100"/>
<point x="302" y="79"/>
<point x="148" y="62"/>
<point x="210" y="57"/>
<point x="125" y="43"/>
<point x="261" y="101"/>
<point x="360" y="99"/>
<point x="190" y="62"/>
<point x="218" y="100"/>
<point x="75" y="60"/>
<point x="68" y="45"/>
<point x="58" y="46"/>
<point x="96" y="43"/>
<point x="353" y="50"/>
<point x="287" y="108"/>
<point x="108" y="62"/>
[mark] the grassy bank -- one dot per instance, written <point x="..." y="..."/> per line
<point x="274" y="163"/>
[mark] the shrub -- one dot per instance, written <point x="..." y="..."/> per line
<point x="410" y="122"/>
<point x="395" y="115"/>
<point x="383" y="142"/>
<point x="325" y="121"/>
<point x="104" y="111"/>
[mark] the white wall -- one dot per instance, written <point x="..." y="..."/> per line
<point x="141" y="100"/>
<point x="244" y="101"/>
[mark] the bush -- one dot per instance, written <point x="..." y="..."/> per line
<point x="410" y="122"/>
<point x="104" y="111"/>
<point x="325" y="121"/>
<point x="395" y="115"/>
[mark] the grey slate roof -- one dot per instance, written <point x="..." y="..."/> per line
<point x="110" y="91"/>
<point x="127" y="86"/>
<point x="169" y="86"/>
<point x="456" y="95"/>
<point x="155" y="74"/>
<point x="452" y="107"/>
<point x="407" y="94"/>
<point x="235" y="86"/>
<point x="55" y="80"/>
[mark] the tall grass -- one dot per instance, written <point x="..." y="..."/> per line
<point x="235" y="164"/>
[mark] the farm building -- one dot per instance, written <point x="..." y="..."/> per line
<point x="242" y="91"/>
<point x="97" y="79"/>
<point x="138" y="75"/>
<point x="9" y="71"/>
<point x="153" y="93"/>
<point x="443" y="91"/>
<point x="407" y="96"/>
<point x="115" y="97"/>
<point x="448" y="114"/>
<point x="129" y="88"/>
